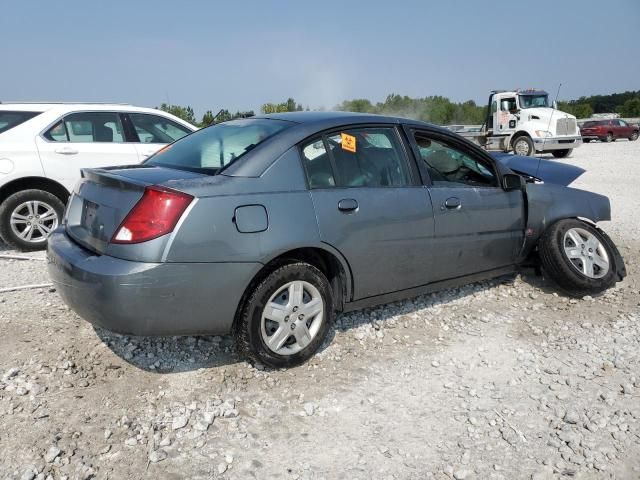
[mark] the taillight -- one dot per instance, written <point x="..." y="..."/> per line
<point x="155" y="214"/>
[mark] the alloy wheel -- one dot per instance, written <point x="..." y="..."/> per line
<point x="292" y="317"/>
<point x="522" y="147"/>
<point x="33" y="220"/>
<point x="586" y="253"/>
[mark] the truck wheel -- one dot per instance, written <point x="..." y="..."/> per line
<point x="578" y="257"/>
<point x="523" y="145"/>
<point x="27" y="217"/>
<point x="286" y="317"/>
<point x="562" y="153"/>
<point x="633" y="137"/>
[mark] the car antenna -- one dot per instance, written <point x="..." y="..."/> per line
<point x="549" y="124"/>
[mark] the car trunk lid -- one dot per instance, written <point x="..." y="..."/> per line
<point x="104" y="197"/>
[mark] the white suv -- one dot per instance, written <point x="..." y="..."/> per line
<point x="44" y="146"/>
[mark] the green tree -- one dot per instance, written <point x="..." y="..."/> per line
<point x="207" y="119"/>
<point x="580" y="110"/>
<point x="185" y="113"/>
<point x="289" y="106"/>
<point x="630" y="108"/>
<point x="356" y="105"/>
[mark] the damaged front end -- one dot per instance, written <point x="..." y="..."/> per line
<point x="538" y="169"/>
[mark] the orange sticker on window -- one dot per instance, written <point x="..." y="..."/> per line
<point x="348" y="142"/>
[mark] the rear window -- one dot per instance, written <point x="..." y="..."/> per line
<point x="592" y="124"/>
<point x="212" y="148"/>
<point x="10" y="119"/>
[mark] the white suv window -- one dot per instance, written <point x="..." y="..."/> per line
<point x="88" y="127"/>
<point x="156" y="129"/>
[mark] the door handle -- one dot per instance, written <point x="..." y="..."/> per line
<point x="347" y="205"/>
<point x="66" y="151"/>
<point x="452" y="203"/>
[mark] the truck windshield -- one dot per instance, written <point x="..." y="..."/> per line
<point x="212" y="148"/>
<point x="532" y="101"/>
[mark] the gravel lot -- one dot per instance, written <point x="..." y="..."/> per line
<point x="504" y="379"/>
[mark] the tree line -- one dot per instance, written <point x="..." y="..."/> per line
<point x="434" y="109"/>
<point x="626" y="104"/>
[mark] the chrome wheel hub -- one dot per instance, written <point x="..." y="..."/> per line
<point x="292" y="317"/>
<point x="33" y="220"/>
<point x="521" y="148"/>
<point x="585" y="253"/>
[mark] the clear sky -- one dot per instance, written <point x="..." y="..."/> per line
<point x="240" y="54"/>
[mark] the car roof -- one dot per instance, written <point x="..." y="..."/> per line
<point x="72" y="106"/>
<point x="64" y="108"/>
<point x="337" y="118"/>
<point x="307" y="125"/>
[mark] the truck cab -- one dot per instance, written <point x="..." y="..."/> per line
<point x="524" y="121"/>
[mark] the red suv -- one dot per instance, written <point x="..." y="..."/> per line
<point x="608" y="130"/>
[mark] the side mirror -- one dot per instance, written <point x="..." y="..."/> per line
<point x="511" y="181"/>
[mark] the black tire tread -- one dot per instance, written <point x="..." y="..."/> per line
<point x="562" y="274"/>
<point x="532" y="147"/>
<point x="241" y="325"/>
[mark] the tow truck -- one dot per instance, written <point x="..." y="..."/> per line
<point x="524" y="122"/>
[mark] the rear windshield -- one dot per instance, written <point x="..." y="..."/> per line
<point x="210" y="149"/>
<point x="592" y="123"/>
<point x="10" y="119"/>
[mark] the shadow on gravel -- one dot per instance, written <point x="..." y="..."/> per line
<point x="4" y="247"/>
<point x="171" y="354"/>
<point x="166" y="355"/>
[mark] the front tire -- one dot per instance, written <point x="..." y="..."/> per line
<point x="562" y="153"/>
<point x="286" y="317"/>
<point x="633" y="137"/>
<point x="523" y="145"/>
<point x="27" y="218"/>
<point x="578" y="257"/>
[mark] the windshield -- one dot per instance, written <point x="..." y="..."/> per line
<point x="12" y="119"/>
<point x="210" y="149"/>
<point x="532" y="101"/>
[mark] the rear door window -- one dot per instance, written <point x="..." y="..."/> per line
<point x="157" y="129"/>
<point x="11" y="119"/>
<point x="368" y="157"/>
<point x="87" y="127"/>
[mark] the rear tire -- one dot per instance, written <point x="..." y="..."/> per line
<point x="586" y="140"/>
<point x="592" y="266"/>
<point x="562" y="153"/>
<point x="271" y="327"/>
<point x="523" y="145"/>
<point x="27" y="217"/>
<point x="609" y="138"/>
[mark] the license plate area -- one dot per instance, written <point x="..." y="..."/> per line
<point x="89" y="214"/>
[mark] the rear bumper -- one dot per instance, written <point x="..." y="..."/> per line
<point x="556" y="143"/>
<point x="592" y="136"/>
<point x="147" y="298"/>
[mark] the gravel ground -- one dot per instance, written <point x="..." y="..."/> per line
<point x="504" y="379"/>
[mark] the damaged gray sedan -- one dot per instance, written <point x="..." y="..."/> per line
<point x="267" y="227"/>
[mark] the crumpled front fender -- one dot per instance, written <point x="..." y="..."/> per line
<point x="547" y="203"/>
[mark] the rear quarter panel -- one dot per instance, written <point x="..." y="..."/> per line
<point x="209" y="233"/>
